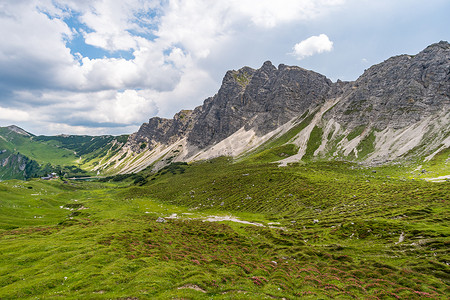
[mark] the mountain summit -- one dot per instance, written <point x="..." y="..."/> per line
<point x="18" y="130"/>
<point x="396" y="110"/>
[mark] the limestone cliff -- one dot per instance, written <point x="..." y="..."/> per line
<point x="397" y="108"/>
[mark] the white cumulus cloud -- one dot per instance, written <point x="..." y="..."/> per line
<point x="13" y="115"/>
<point x="174" y="54"/>
<point x="312" y="45"/>
<point x="127" y="107"/>
<point x="270" y="13"/>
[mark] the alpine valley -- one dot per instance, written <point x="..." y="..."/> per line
<point x="283" y="185"/>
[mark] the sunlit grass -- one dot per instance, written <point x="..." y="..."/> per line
<point x="330" y="230"/>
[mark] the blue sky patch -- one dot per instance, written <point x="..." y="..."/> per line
<point x="78" y="45"/>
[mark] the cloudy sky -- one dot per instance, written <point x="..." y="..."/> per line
<point x="106" y="66"/>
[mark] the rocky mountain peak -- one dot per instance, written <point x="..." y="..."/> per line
<point x="18" y="130"/>
<point x="444" y="45"/>
<point x="395" y="95"/>
<point x="260" y="100"/>
<point x="400" y="91"/>
<point x="268" y="67"/>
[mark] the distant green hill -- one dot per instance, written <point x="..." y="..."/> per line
<point x="24" y="155"/>
<point x="34" y="148"/>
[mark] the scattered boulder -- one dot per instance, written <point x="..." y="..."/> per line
<point x="161" y="220"/>
<point x="192" y="287"/>
<point x="401" y="238"/>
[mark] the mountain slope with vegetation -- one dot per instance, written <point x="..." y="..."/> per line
<point x="397" y="111"/>
<point x="24" y="155"/>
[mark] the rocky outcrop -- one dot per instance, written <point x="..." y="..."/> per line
<point x="398" y="92"/>
<point x="19" y="130"/>
<point x="394" y="107"/>
<point x="16" y="165"/>
<point x="159" y="131"/>
<point x="262" y="100"/>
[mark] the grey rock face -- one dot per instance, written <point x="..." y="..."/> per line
<point x="395" y="93"/>
<point x="399" y="91"/>
<point x="261" y="99"/>
<point x="162" y="131"/>
<point x="18" y="130"/>
<point x="15" y="165"/>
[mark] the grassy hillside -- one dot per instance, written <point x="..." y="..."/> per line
<point x="309" y="231"/>
<point x="41" y="152"/>
<point x="89" y="149"/>
<point x="17" y="166"/>
<point x="23" y="155"/>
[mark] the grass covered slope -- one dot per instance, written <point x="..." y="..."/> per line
<point x="35" y="149"/>
<point x="24" y="156"/>
<point x="315" y="230"/>
<point x="91" y="150"/>
<point x="21" y="157"/>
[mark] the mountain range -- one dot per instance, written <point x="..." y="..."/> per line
<point x="283" y="185"/>
<point x="396" y="111"/>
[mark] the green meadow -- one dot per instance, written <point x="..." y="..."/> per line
<point x="232" y="230"/>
